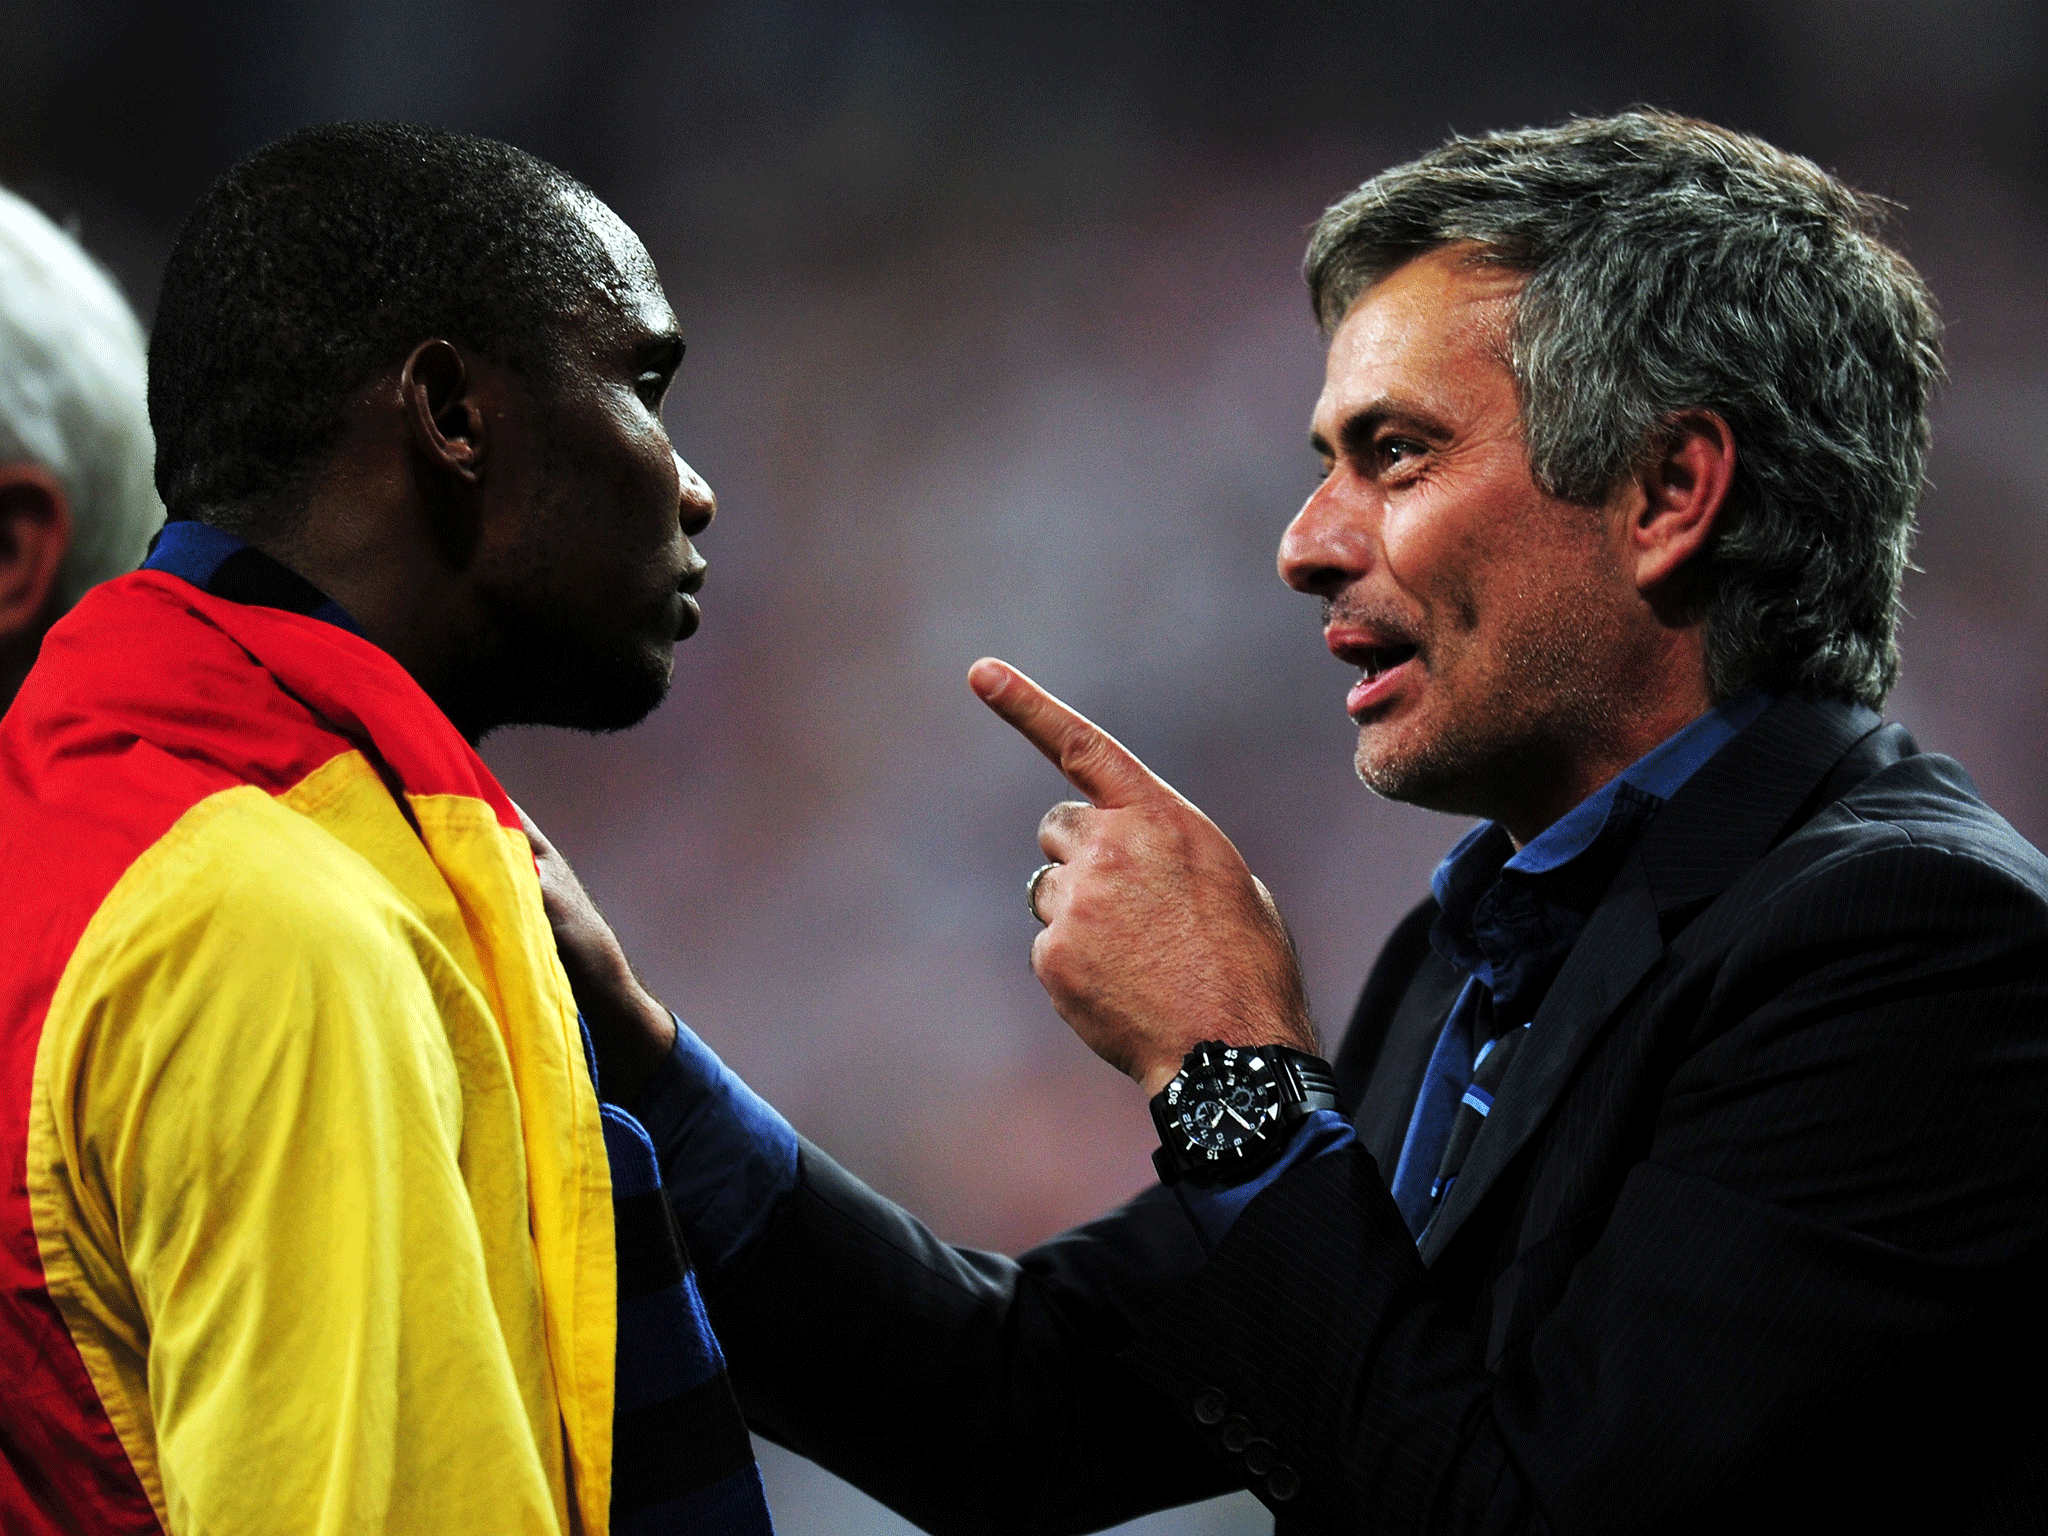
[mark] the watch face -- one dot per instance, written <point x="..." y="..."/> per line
<point x="1226" y="1103"/>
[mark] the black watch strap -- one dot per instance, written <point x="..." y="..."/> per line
<point x="1313" y="1077"/>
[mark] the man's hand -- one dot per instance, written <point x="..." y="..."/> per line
<point x="629" y="1027"/>
<point x="1156" y="934"/>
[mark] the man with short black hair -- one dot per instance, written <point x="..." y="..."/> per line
<point x="1688" y="1172"/>
<point x="317" y="1223"/>
<point x="76" y="503"/>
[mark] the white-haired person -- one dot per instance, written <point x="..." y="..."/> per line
<point x="77" y="502"/>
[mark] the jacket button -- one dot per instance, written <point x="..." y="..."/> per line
<point x="1210" y="1407"/>
<point x="1259" y="1457"/>
<point x="1237" y="1433"/>
<point x="1282" y="1483"/>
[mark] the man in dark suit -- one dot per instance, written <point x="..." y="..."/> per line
<point x="1689" y="1170"/>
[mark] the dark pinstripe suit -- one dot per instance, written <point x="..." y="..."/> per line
<point x="1757" y="1230"/>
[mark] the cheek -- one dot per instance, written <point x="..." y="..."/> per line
<point x="639" y="476"/>
<point x="1441" y="561"/>
<point x="664" y="475"/>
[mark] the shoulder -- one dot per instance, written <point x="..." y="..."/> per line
<point x="1906" y="903"/>
<point x="242" y="866"/>
<point x="1912" y="844"/>
<point x="249" y="925"/>
<point x="251" y="962"/>
<point x="140" y="697"/>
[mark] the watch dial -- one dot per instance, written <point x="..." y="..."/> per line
<point x="1228" y="1100"/>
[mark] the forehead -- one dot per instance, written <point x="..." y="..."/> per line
<point x="631" y="292"/>
<point x="1433" y="332"/>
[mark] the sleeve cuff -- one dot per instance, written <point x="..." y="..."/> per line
<point x="727" y="1158"/>
<point x="1214" y="1209"/>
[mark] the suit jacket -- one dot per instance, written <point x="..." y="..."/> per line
<point x="1756" y="1230"/>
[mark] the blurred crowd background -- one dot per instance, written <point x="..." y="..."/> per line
<point x="997" y="344"/>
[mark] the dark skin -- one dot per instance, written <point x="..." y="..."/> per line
<point x="35" y="533"/>
<point x="521" y="546"/>
<point x="629" y="1027"/>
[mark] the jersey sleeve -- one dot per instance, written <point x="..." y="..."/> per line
<point x="274" y="1204"/>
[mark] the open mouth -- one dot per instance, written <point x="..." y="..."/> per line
<point x="1378" y="659"/>
<point x="1379" y="677"/>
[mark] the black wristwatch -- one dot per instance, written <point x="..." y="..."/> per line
<point x="1232" y="1109"/>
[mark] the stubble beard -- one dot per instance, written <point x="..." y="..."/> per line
<point x="540" y="673"/>
<point x="1504" y="749"/>
<point x="584" y="682"/>
<point x="550" y="660"/>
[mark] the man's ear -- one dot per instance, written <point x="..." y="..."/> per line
<point x="1683" y="489"/>
<point x="35" y="533"/>
<point x="446" y="423"/>
<point x="447" y="426"/>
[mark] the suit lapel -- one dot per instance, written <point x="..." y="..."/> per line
<point x="1722" y="821"/>
<point x="1389" y="1100"/>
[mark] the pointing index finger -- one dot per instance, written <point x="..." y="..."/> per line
<point x="1094" y="762"/>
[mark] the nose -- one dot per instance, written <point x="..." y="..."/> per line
<point x="1329" y="544"/>
<point x="699" y="505"/>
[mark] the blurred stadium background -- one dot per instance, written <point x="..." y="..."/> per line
<point x="997" y="344"/>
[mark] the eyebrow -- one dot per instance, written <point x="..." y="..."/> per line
<point x="1357" y="429"/>
<point x="663" y="350"/>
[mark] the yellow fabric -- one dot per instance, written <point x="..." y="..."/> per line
<point x="318" y="1178"/>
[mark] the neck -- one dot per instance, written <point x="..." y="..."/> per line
<point x="1586" y="765"/>
<point x="17" y="654"/>
<point x="18" y="651"/>
<point x="366" y="549"/>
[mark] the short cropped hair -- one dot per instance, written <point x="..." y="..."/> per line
<point x="71" y="394"/>
<point x="1673" y="264"/>
<point x="328" y="255"/>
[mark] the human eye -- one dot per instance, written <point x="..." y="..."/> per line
<point x="1393" y="453"/>
<point x="657" y="369"/>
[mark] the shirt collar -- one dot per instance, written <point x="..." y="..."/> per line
<point x="1509" y="917"/>
<point x="1657" y="775"/>
<point x="222" y="565"/>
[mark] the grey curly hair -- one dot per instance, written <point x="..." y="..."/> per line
<point x="1675" y="265"/>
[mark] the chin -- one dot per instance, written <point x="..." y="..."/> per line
<point x="615" y="698"/>
<point x="1434" y="774"/>
<point x="1397" y="780"/>
<point x="571" y="689"/>
<point x="1391" y="768"/>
